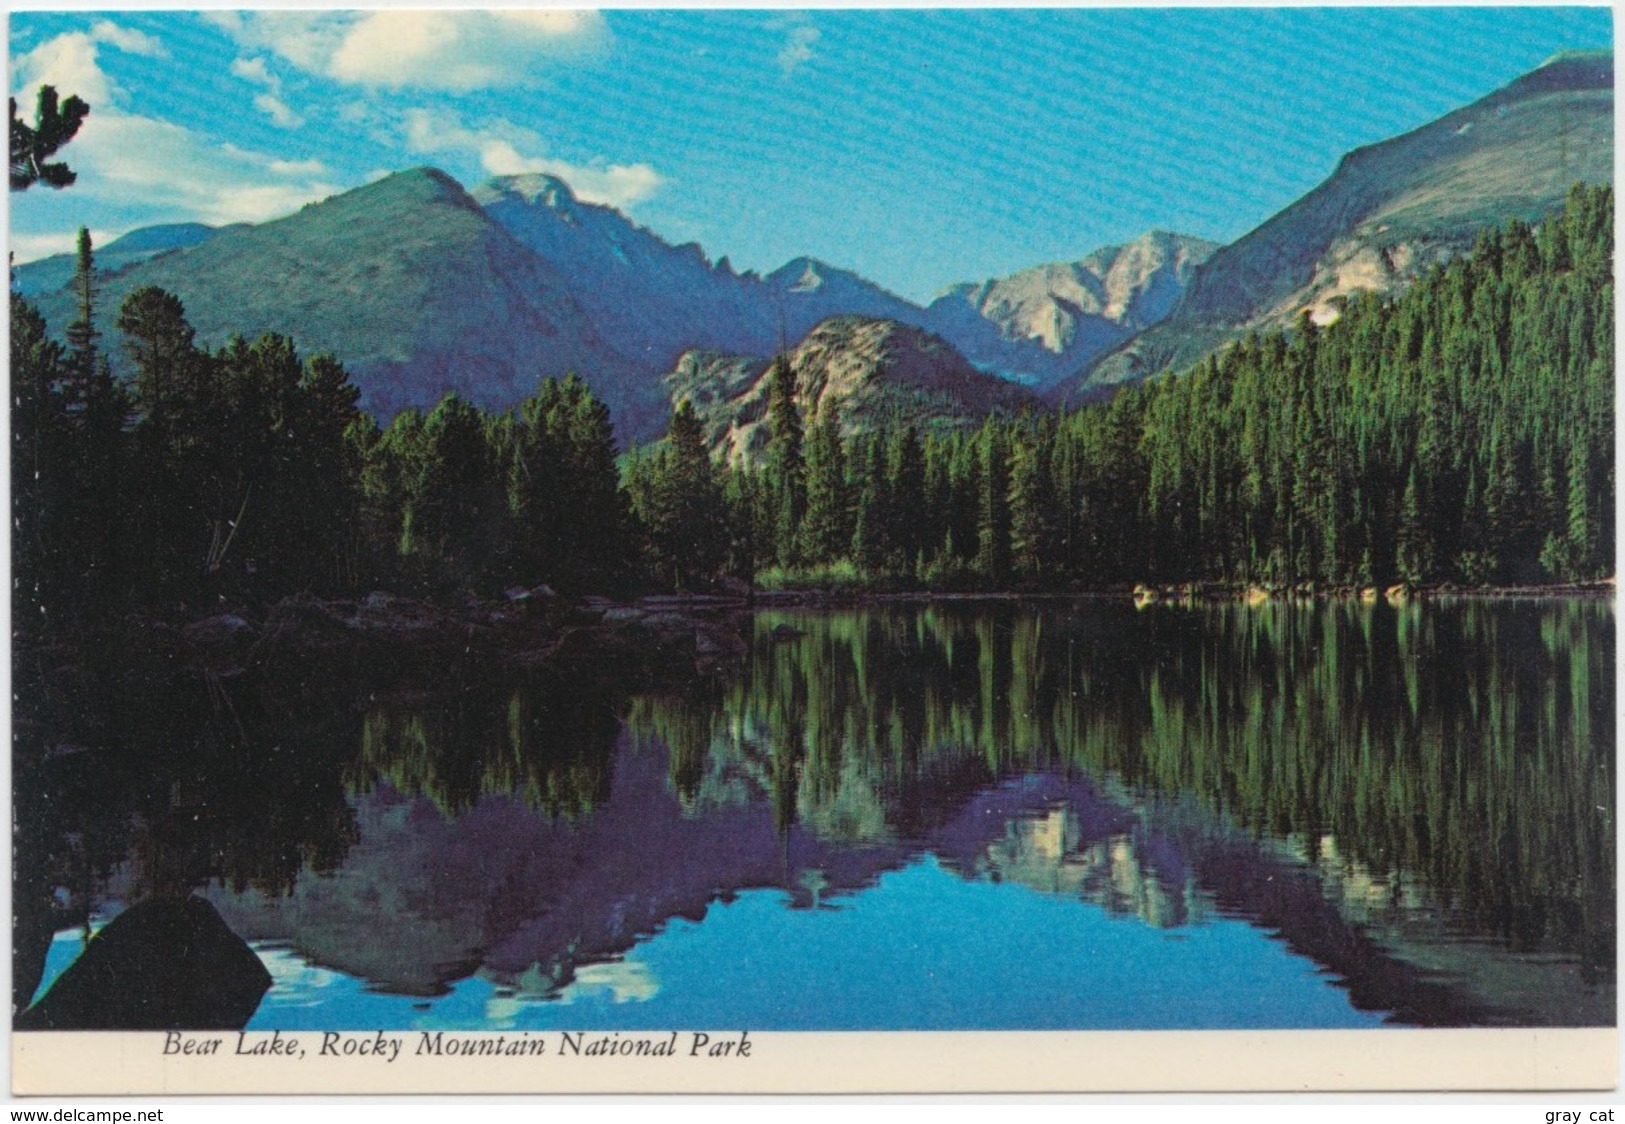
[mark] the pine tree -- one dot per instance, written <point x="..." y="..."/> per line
<point x="826" y="530"/>
<point x="388" y="477"/>
<point x="173" y="443"/>
<point x="570" y="520"/>
<point x="600" y="519"/>
<point x="1031" y="508"/>
<point x="993" y="517"/>
<point x="38" y="433"/>
<point x="92" y="451"/>
<point x="907" y="512"/>
<point x="965" y="497"/>
<point x="869" y="523"/>
<point x="1580" y="532"/>
<point x="81" y="333"/>
<point x="169" y="381"/>
<point x="740" y="499"/>
<point x="535" y="474"/>
<point x="455" y="495"/>
<point x="786" y="468"/>
<point x="1415" y="553"/>
<point x="32" y="146"/>
<point x="326" y="478"/>
<point x="677" y="497"/>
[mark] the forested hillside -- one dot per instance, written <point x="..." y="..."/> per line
<point x="1461" y="432"/>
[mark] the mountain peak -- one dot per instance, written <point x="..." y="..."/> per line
<point x="1583" y="54"/>
<point x="1157" y="236"/>
<point x="536" y="188"/>
<point x="1052" y="318"/>
<point x="414" y="185"/>
<point x="422" y="176"/>
<point x="1566" y="70"/>
<point x="800" y="275"/>
<point x="809" y="280"/>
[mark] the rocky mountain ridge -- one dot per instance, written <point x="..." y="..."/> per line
<point x="874" y="371"/>
<point x="1387" y="213"/>
<point x="423" y="288"/>
<point x="1072" y="311"/>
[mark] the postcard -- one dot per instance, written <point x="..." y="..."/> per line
<point x="907" y="550"/>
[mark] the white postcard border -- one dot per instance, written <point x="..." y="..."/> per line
<point x="1390" y="1060"/>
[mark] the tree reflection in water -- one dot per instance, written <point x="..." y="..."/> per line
<point x="1418" y="797"/>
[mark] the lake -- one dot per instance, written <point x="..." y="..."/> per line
<point x="1047" y="814"/>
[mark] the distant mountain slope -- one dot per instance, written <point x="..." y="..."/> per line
<point x="652" y="298"/>
<point x="656" y="300"/>
<point x="874" y="370"/>
<point x="1067" y="313"/>
<point x="422" y="288"/>
<point x="807" y="292"/>
<point x="411" y="283"/>
<point x="46" y="275"/>
<point x="1390" y="211"/>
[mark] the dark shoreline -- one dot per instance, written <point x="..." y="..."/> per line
<point x="655" y="638"/>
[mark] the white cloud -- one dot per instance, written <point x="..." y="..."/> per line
<point x="306" y="39"/>
<point x="297" y="167"/>
<point x="128" y="39"/>
<point x="499" y="147"/>
<point x="798" y="49"/>
<point x="277" y="110"/>
<point x="174" y="171"/>
<point x="270" y="101"/>
<point x="428" y="131"/>
<point x="159" y="169"/>
<point x="455" y="50"/>
<point x="31" y="247"/>
<point x="69" y="62"/>
<point x="253" y="70"/>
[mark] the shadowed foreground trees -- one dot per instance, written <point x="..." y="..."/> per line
<point x="240" y="475"/>
<point x="240" y="482"/>
<point x="68" y="454"/>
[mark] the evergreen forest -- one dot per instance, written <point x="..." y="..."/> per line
<point x="1461" y="432"/>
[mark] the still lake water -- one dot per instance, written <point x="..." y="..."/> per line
<point x="1046" y="815"/>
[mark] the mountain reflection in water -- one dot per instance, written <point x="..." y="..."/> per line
<point x="1406" y="812"/>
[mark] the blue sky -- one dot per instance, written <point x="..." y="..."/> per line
<point x="919" y="148"/>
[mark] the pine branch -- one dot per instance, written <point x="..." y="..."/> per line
<point x="55" y="124"/>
